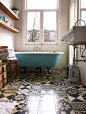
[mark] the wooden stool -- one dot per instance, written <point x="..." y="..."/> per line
<point x="11" y="65"/>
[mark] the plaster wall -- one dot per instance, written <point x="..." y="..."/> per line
<point x="82" y="66"/>
<point x="7" y="38"/>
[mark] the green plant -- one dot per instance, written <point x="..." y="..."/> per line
<point x="14" y="8"/>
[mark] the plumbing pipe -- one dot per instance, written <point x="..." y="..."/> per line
<point x="80" y="60"/>
<point x="74" y="55"/>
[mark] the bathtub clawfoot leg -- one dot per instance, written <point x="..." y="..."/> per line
<point x="37" y="68"/>
<point x="48" y="69"/>
<point x="23" y="69"/>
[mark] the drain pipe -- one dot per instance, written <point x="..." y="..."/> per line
<point x="80" y="60"/>
<point x="74" y="47"/>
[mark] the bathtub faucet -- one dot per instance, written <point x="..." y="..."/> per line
<point x="36" y="47"/>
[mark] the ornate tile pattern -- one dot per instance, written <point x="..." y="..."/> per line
<point x="36" y="92"/>
<point x="7" y="107"/>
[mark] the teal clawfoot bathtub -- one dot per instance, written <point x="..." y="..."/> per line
<point x="38" y="59"/>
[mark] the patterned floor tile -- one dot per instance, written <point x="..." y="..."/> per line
<point x="17" y="108"/>
<point x="7" y="107"/>
<point x="8" y="91"/>
<point x="80" y="112"/>
<point x="32" y="102"/>
<point x="79" y="106"/>
<point x="46" y="112"/>
<point x="75" y="95"/>
<point x="60" y="92"/>
<point x="28" y="112"/>
<point x="62" y="105"/>
<point x="47" y="92"/>
<point x="18" y="97"/>
<point x="47" y="98"/>
<point x="5" y="96"/>
<point x="44" y="93"/>
<point x="46" y="106"/>
<point x="61" y="97"/>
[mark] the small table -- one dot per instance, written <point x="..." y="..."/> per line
<point x="11" y="65"/>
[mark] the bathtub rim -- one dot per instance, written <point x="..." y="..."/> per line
<point x="39" y="52"/>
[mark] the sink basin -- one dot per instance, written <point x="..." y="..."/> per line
<point x="75" y="36"/>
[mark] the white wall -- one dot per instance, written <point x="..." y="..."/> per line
<point x="64" y="27"/>
<point x="82" y="66"/>
<point x="8" y="3"/>
<point x="7" y="38"/>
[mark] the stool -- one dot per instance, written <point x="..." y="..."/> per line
<point x="11" y="65"/>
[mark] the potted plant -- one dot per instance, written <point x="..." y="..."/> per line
<point x="15" y="10"/>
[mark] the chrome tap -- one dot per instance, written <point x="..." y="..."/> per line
<point x="36" y="47"/>
<point x="79" y="21"/>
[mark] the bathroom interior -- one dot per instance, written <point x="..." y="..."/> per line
<point x="37" y="90"/>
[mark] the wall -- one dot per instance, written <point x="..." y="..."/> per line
<point x="7" y="38"/>
<point x="82" y="66"/>
<point x="64" y="27"/>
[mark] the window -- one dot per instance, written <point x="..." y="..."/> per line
<point x="41" y="21"/>
<point x="33" y="26"/>
<point x="83" y="11"/>
<point x="49" y="26"/>
<point x="83" y="3"/>
<point x="41" y="4"/>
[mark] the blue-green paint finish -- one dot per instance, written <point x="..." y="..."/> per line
<point x="38" y="60"/>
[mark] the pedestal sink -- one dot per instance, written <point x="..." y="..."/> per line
<point x="75" y="36"/>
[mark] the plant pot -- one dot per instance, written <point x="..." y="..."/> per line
<point x="16" y="12"/>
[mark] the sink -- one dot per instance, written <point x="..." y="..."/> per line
<point x="75" y="36"/>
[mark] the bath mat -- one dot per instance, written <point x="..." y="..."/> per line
<point x="7" y="107"/>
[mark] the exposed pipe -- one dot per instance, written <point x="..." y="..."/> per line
<point x="74" y="47"/>
<point x="83" y="51"/>
<point x="80" y="60"/>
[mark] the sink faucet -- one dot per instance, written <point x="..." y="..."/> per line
<point x="79" y="21"/>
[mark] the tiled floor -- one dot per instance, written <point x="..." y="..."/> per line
<point x="42" y="93"/>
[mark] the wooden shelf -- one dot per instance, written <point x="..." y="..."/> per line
<point x="8" y="27"/>
<point x="8" y="11"/>
<point x="11" y="14"/>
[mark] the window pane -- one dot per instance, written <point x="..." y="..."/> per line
<point x="33" y="26"/>
<point x="49" y="26"/>
<point x="83" y="17"/>
<point x="41" y="4"/>
<point x="83" y="3"/>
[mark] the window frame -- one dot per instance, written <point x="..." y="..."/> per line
<point x="81" y="9"/>
<point x="24" y="28"/>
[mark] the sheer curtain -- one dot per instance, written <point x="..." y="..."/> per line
<point x="73" y="16"/>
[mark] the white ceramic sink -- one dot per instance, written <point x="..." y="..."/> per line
<point x="75" y="36"/>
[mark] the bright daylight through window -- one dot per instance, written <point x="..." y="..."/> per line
<point x="41" y="21"/>
<point x="83" y="10"/>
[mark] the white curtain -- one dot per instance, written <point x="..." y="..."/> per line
<point x="72" y="19"/>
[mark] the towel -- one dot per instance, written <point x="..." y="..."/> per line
<point x="3" y="54"/>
